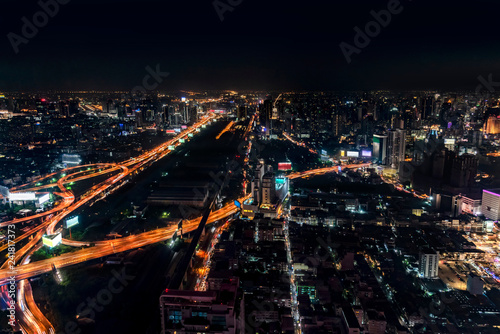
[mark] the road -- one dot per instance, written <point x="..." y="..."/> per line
<point x="31" y="320"/>
<point x="101" y="248"/>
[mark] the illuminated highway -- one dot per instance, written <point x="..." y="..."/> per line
<point x="105" y="248"/>
<point x="31" y="319"/>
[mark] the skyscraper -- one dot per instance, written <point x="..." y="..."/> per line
<point x="268" y="188"/>
<point x="380" y="148"/>
<point x="491" y="204"/>
<point x="463" y="171"/>
<point x="396" y="147"/>
<point x="429" y="264"/>
<point x="492" y="125"/>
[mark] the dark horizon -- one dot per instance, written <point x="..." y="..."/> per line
<point x="106" y="45"/>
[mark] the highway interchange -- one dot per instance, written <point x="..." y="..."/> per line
<point x="30" y="318"/>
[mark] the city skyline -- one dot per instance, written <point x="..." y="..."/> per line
<point x="249" y="167"/>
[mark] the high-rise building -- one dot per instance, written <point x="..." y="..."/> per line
<point x="492" y="125"/>
<point x="380" y="149"/>
<point x="242" y="112"/>
<point x="337" y="124"/>
<point x="257" y="181"/>
<point x="429" y="264"/>
<point x="269" y="188"/>
<point x="396" y="147"/>
<point x="491" y="204"/>
<point x="184" y="311"/>
<point x="463" y="171"/>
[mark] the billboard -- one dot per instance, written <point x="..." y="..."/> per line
<point x="172" y="132"/>
<point x="450" y="141"/>
<point x="177" y="130"/>
<point x="184" y="127"/>
<point x="28" y="196"/>
<point x="238" y="204"/>
<point x="171" y="147"/>
<point x="285" y="166"/>
<point x="366" y="153"/>
<point x="52" y="240"/>
<point x="353" y="154"/>
<point x="44" y="198"/>
<point x="70" y="222"/>
<point x="190" y="135"/>
<point x="182" y="141"/>
<point x="323" y="152"/>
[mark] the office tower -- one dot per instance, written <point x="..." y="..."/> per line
<point x="492" y="125"/>
<point x="64" y="108"/>
<point x="268" y="109"/>
<point x="429" y="264"/>
<point x="491" y="204"/>
<point x="148" y="109"/>
<point x="428" y="107"/>
<point x="269" y="188"/>
<point x="438" y="164"/>
<point x="337" y="124"/>
<point x="257" y="181"/>
<point x="139" y="121"/>
<point x="463" y="171"/>
<point x="396" y="147"/>
<point x="380" y="148"/>
<point x="183" y="111"/>
<point x="42" y="106"/>
<point x="266" y="115"/>
<point x="212" y="311"/>
<point x="242" y="112"/>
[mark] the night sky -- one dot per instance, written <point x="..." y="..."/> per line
<point x="260" y="45"/>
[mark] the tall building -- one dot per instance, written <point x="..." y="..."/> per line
<point x="266" y="116"/>
<point x="242" y="112"/>
<point x="337" y="124"/>
<point x="491" y="204"/>
<point x="269" y="188"/>
<point x="492" y="125"/>
<point x="184" y="311"/>
<point x="396" y="147"/>
<point x="380" y="149"/>
<point x="463" y="171"/>
<point x="429" y="264"/>
<point x="257" y="181"/>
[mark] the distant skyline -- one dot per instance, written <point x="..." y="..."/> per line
<point x="284" y="45"/>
